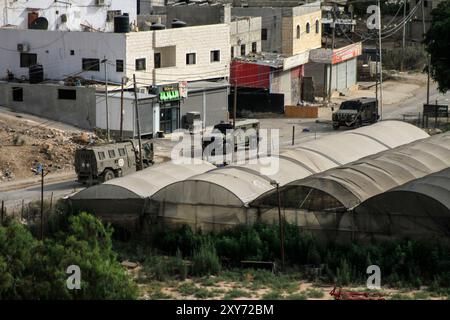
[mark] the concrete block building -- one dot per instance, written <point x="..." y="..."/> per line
<point x="287" y="30"/>
<point x="77" y="15"/>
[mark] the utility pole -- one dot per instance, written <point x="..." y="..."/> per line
<point x="332" y="48"/>
<point x="428" y="56"/>
<point x="3" y="213"/>
<point x="381" y="60"/>
<point x="41" y="170"/>
<point x="104" y="61"/>
<point x="235" y="104"/>
<point x="141" y="166"/>
<point x="404" y="36"/>
<point x="121" y="109"/>
<point x="280" y="219"/>
<point x="42" y="202"/>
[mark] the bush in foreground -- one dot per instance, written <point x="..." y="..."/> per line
<point x="34" y="269"/>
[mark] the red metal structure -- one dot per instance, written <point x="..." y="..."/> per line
<point x="341" y="294"/>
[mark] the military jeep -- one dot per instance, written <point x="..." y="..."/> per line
<point x="97" y="164"/>
<point x="356" y="112"/>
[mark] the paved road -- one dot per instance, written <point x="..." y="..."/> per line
<point x="13" y="199"/>
<point x="414" y="104"/>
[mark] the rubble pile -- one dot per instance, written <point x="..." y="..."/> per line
<point x="24" y="146"/>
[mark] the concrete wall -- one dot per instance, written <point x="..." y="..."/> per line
<point x="148" y="114"/>
<point x="216" y="105"/>
<point x="245" y="31"/>
<point x="271" y="21"/>
<point x="199" y="40"/>
<point x="317" y="72"/>
<point x="343" y="76"/>
<point x="61" y="53"/>
<point x="146" y="6"/>
<point x="288" y="83"/>
<point x="281" y="25"/>
<point x="195" y="15"/>
<point x="294" y="43"/>
<point x="42" y="100"/>
<point x="78" y="12"/>
<point x="54" y="52"/>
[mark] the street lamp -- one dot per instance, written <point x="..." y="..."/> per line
<point x="281" y="222"/>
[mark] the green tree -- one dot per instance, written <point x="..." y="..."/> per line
<point x="33" y="269"/>
<point x="437" y="41"/>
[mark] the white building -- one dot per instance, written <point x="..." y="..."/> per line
<point x="162" y="56"/>
<point x="245" y="35"/>
<point x="66" y="15"/>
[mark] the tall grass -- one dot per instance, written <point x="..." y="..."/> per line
<point x="205" y="260"/>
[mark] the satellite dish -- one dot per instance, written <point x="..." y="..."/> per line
<point x="40" y="23"/>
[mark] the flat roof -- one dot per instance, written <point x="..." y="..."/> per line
<point x="127" y="95"/>
<point x="273" y="60"/>
<point x="198" y="86"/>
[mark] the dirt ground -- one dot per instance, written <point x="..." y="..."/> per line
<point x="200" y="289"/>
<point x="25" y="143"/>
<point x="260" y="285"/>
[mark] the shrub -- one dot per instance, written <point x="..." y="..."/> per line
<point x="33" y="269"/>
<point x="314" y="293"/>
<point x="236" y="293"/>
<point x="205" y="260"/>
<point x="414" y="58"/>
<point x="297" y="296"/>
<point x="343" y="273"/>
<point x="187" y="288"/>
<point x="272" y="295"/>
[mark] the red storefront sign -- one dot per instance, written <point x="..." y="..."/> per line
<point x="346" y="53"/>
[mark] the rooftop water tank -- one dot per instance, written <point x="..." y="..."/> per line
<point x="178" y="23"/>
<point x="122" y="23"/>
<point x="157" y="26"/>
<point x="36" y="73"/>
<point x="40" y="23"/>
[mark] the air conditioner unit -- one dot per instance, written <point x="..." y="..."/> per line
<point x="100" y="2"/>
<point x="22" y="47"/>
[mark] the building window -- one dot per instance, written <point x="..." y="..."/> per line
<point x="72" y="52"/>
<point x="111" y="154"/>
<point x="17" y="94"/>
<point x="28" y="59"/>
<point x="254" y="47"/>
<point x="140" y="64"/>
<point x="264" y="34"/>
<point x="317" y="26"/>
<point x="308" y="27"/>
<point x="215" y="56"/>
<point x="157" y="58"/>
<point x="425" y="4"/>
<point x="101" y="155"/>
<point x="232" y="52"/>
<point x="119" y="65"/>
<point x="243" y="50"/>
<point x="91" y="64"/>
<point x="298" y="32"/>
<point x="121" y="152"/>
<point x="191" y="58"/>
<point x="65" y="94"/>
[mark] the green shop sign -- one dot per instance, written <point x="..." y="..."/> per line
<point x="169" y="95"/>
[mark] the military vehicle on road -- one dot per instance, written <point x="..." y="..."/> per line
<point x="97" y="164"/>
<point x="356" y="112"/>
